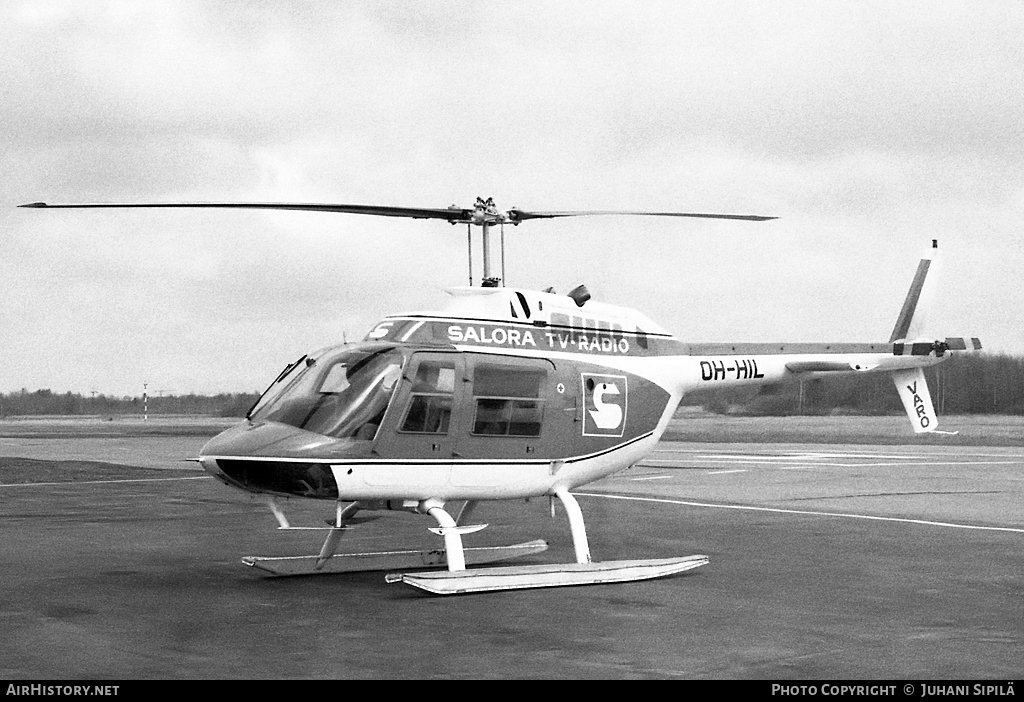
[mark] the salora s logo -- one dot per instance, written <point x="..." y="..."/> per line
<point x="605" y="401"/>
<point x="607" y="415"/>
<point x="380" y="331"/>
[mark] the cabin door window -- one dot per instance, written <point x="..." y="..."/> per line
<point x="508" y="400"/>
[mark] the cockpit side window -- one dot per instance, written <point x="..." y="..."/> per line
<point x="508" y="401"/>
<point x="430" y="403"/>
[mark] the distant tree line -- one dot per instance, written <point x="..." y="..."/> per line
<point x="963" y="384"/>
<point x="49" y="402"/>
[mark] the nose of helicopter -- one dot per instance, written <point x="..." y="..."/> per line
<point x="248" y="439"/>
<point x="265" y="440"/>
<point x="273" y="457"/>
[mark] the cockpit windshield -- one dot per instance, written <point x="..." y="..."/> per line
<point x="341" y="395"/>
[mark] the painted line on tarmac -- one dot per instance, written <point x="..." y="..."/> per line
<point x="721" y="472"/>
<point x="654" y="477"/>
<point x="105" y="482"/>
<point x="910" y="453"/>
<point x="778" y="462"/>
<point x="778" y="510"/>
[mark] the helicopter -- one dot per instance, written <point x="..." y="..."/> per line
<point x="506" y="393"/>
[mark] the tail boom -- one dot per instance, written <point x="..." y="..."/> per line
<point x="909" y="350"/>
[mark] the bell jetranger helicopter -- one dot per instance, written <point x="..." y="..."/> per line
<point x="506" y="393"/>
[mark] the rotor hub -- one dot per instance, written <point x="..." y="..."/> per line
<point x="485" y="212"/>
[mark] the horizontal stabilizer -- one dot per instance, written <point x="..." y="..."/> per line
<point x="826" y="366"/>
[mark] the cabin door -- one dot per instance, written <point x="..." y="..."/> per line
<point x="422" y="420"/>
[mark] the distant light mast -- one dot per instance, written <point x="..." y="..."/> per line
<point x="145" y="403"/>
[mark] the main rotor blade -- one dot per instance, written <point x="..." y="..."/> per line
<point x="522" y="215"/>
<point x="451" y="214"/>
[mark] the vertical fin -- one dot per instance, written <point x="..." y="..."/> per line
<point x="917" y="401"/>
<point x="912" y="317"/>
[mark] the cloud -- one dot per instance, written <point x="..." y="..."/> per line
<point x="869" y="127"/>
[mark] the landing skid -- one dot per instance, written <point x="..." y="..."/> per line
<point x="458" y="580"/>
<point x="387" y="560"/>
<point x="455" y="557"/>
<point x="523" y="577"/>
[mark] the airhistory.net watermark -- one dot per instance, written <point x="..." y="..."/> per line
<point x="62" y="690"/>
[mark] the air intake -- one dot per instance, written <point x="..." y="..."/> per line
<point x="580" y="295"/>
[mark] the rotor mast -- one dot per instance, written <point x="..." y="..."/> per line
<point x="487" y="249"/>
<point x="485" y="214"/>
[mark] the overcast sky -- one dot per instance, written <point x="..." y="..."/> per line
<point x="869" y="128"/>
